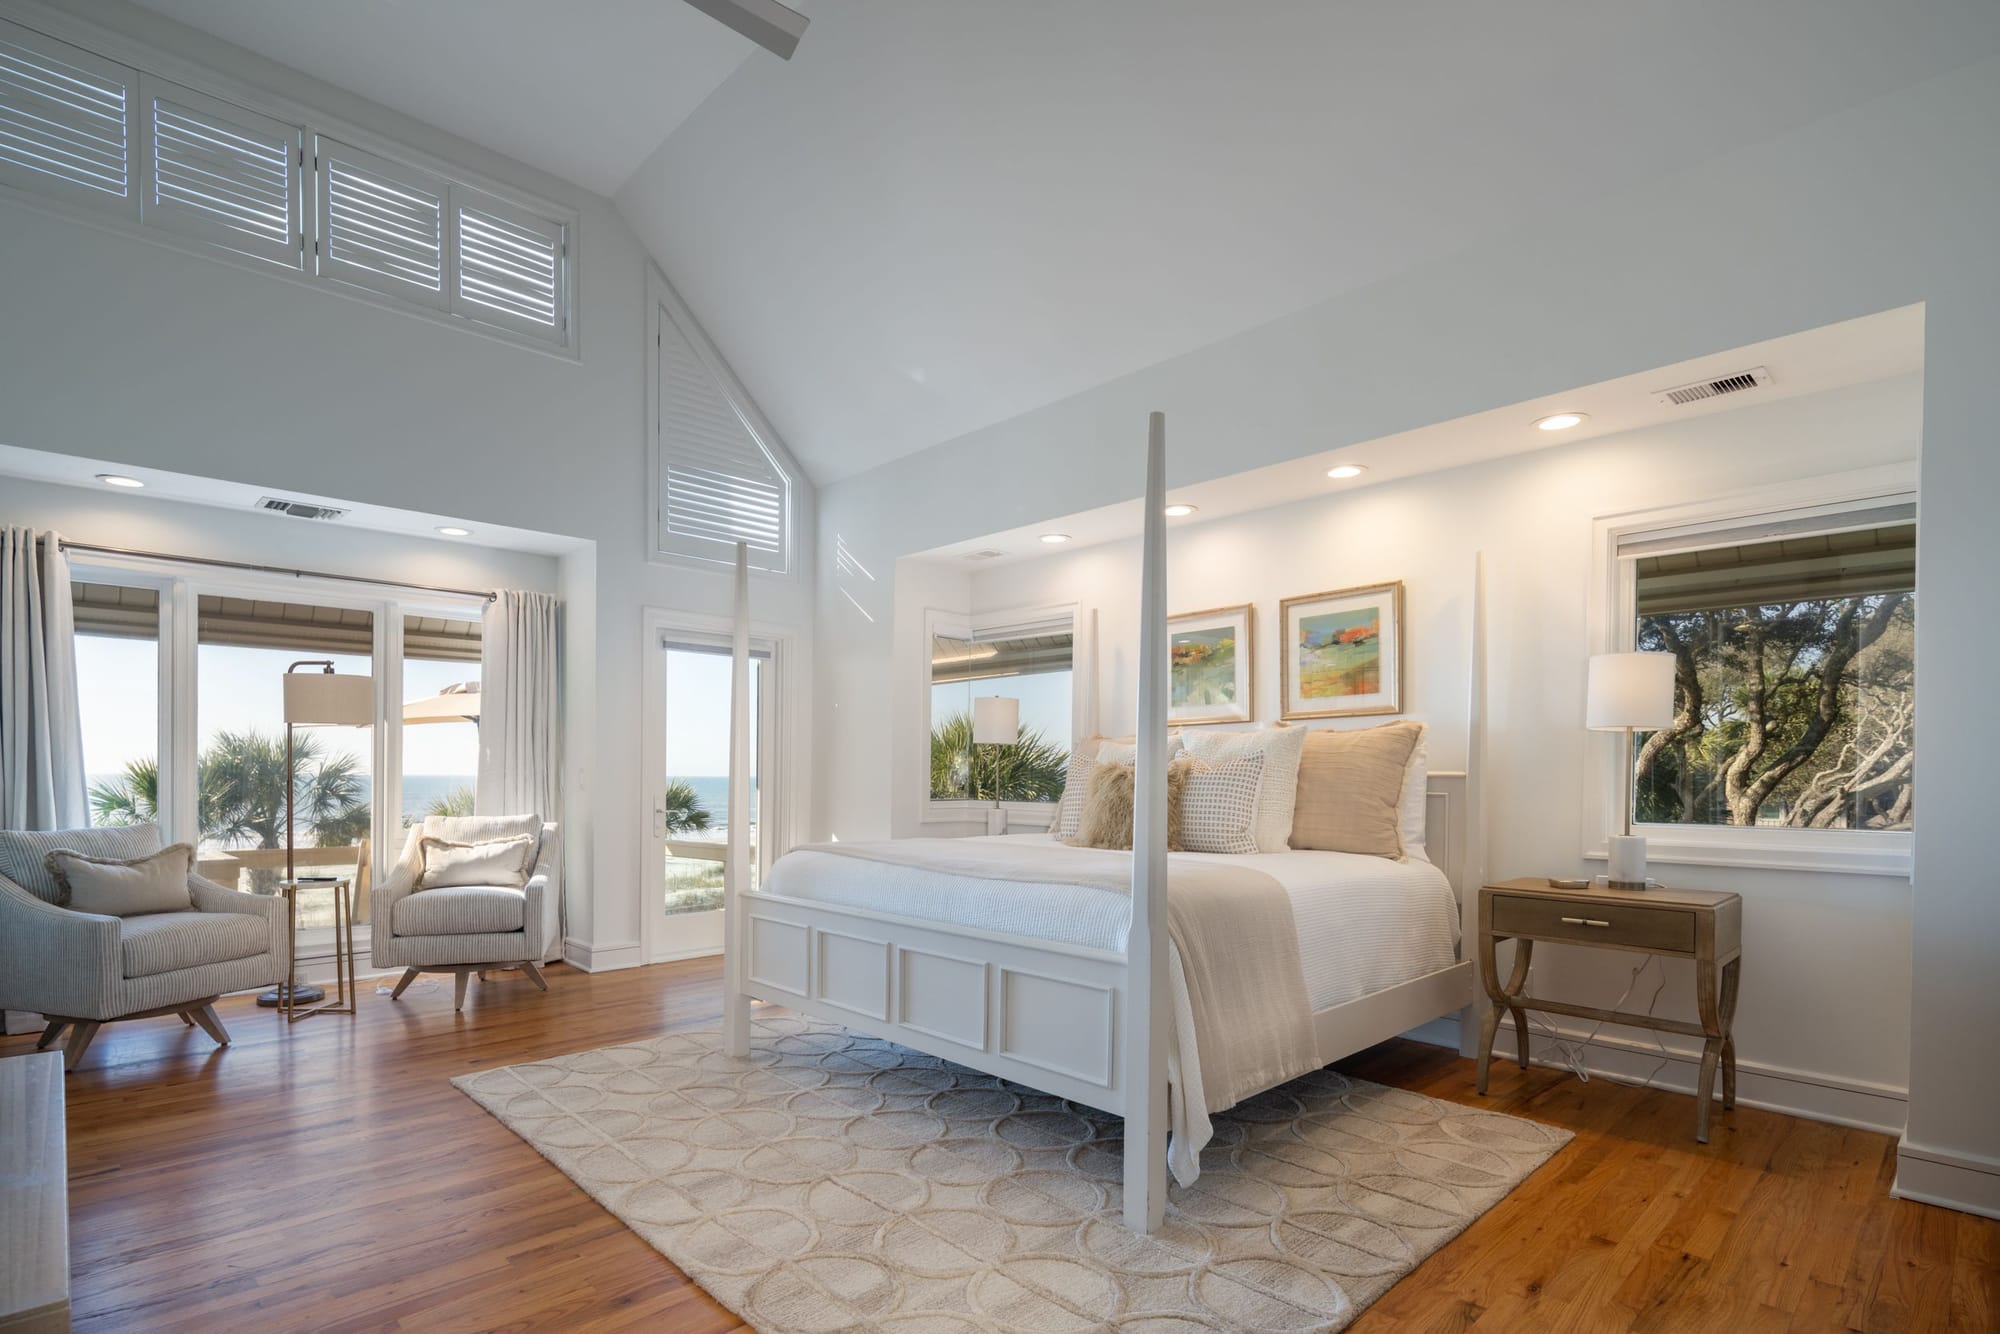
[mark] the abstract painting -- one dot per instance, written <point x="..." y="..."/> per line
<point x="1208" y="676"/>
<point x="1343" y="652"/>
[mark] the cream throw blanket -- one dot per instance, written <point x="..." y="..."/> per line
<point x="1242" y="1023"/>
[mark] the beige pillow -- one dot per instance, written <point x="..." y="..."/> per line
<point x="1107" y="806"/>
<point x="1351" y="789"/>
<point x="1218" y="805"/>
<point x="495" y="861"/>
<point x="126" y="887"/>
<point x="1084" y="757"/>
<point x="1280" y="747"/>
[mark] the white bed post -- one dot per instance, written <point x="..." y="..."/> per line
<point x="1145" y="1037"/>
<point x="1473" y="865"/>
<point x="736" y="870"/>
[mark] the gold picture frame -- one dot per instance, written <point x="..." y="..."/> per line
<point x="1354" y="637"/>
<point x="1204" y="647"/>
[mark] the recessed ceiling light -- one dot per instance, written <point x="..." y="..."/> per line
<point x="1055" y="539"/>
<point x="1345" y="471"/>
<point x="1179" y="511"/>
<point x="1562" y="421"/>
<point x="119" y="479"/>
<point x="450" y="531"/>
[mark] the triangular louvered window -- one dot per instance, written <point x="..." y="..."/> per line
<point x="222" y="173"/>
<point x="510" y="264"/>
<point x="719" y="483"/>
<point x="65" y="127"/>
<point x="381" y="224"/>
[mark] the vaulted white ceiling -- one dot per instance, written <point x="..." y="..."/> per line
<point x="943" y="213"/>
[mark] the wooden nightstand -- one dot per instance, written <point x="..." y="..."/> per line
<point x="1677" y="923"/>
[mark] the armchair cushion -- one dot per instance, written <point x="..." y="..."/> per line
<point x="479" y="828"/>
<point x="164" y="942"/>
<point x="24" y="853"/>
<point x="460" y="910"/>
<point x="125" y="886"/>
<point x="494" y="861"/>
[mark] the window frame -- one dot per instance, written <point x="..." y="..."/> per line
<point x="159" y="66"/>
<point x="1060" y="618"/>
<point x="1613" y="629"/>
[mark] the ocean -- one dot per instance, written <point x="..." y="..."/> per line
<point x="420" y="790"/>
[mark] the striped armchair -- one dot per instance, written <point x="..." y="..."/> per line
<point x="82" y="970"/>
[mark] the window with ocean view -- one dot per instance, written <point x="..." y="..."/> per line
<point x="440" y="717"/>
<point x="694" y="814"/>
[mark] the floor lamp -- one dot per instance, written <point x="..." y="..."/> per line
<point x="996" y="722"/>
<point x="320" y="699"/>
<point x="1628" y="692"/>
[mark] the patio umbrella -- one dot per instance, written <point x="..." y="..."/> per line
<point x="453" y="704"/>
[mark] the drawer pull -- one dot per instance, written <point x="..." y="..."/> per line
<point x="1583" y="921"/>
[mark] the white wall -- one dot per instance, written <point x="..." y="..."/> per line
<point x="115" y="348"/>
<point x="1882" y="206"/>
<point x="1531" y="516"/>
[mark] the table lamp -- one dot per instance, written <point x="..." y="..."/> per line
<point x="996" y="721"/>
<point x="1629" y="692"/>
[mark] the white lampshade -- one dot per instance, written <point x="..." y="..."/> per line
<point x="996" y="721"/>
<point x="1629" y="690"/>
<point x="339" y="701"/>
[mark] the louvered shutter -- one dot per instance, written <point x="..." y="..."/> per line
<point x="65" y="124"/>
<point x="509" y="266"/>
<point x="381" y="224"/>
<point x="221" y="173"/>
<point x="719" y="485"/>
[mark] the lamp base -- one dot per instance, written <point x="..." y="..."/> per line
<point x="303" y="993"/>
<point x="996" y="819"/>
<point x="1628" y="862"/>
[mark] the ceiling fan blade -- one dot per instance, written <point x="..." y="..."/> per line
<point x="766" y="22"/>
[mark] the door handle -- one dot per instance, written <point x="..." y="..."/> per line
<point x="1584" y="921"/>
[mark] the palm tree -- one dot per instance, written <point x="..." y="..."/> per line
<point x="241" y="792"/>
<point x="1032" y="769"/>
<point x="683" y="808"/>
<point x="458" y="801"/>
<point x="131" y="798"/>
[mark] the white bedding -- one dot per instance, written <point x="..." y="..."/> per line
<point x="1364" y="923"/>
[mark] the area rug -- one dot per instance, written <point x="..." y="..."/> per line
<point x="833" y="1182"/>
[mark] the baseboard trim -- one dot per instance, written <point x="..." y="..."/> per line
<point x="603" y="958"/>
<point x="1967" y="1182"/>
<point x="675" y="956"/>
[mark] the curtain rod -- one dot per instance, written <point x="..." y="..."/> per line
<point x="483" y="594"/>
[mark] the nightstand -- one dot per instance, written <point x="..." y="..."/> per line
<point x="1675" y="923"/>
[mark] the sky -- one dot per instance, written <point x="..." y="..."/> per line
<point x="698" y="713"/>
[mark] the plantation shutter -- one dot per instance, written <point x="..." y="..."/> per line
<point x="65" y="128"/>
<point x="719" y="484"/>
<point x="221" y="173"/>
<point x="381" y="224"/>
<point x="510" y="265"/>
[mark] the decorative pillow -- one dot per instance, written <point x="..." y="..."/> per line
<point x="496" y="861"/>
<point x="124" y="886"/>
<point x="1411" y="810"/>
<point x="1107" y="806"/>
<point x="481" y="828"/>
<point x="24" y="853"/>
<point x="1280" y="747"/>
<point x="1219" y="805"/>
<point x="1083" y="757"/>
<point x="1351" y="790"/>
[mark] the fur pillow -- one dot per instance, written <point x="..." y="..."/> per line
<point x="1351" y="789"/>
<point x="496" y="861"/>
<point x="124" y="887"/>
<point x="1084" y="757"/>
<point x="1107" y="806"/>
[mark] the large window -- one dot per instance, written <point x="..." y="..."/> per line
<point x="1033" y="664"/>
<point x="440" y="717"/>
<point x="117" y="680"/>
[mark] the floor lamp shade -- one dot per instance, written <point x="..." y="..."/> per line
<point x="996" y="721"/>
<point x="1633" y="690"/>
<point x="325" y="699"/>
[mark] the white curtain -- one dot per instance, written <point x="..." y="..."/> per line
<point x="520" y="718"/>
<point x="41" y="732"/>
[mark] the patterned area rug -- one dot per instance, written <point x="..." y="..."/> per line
<point x="834" y="1182"/>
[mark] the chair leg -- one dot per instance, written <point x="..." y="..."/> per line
<point x="534" y="974"/>
<point x="50" y="1034"/>
<point x="210" y="1024"/>
<point x="458" y="988"/>
<point x="187" y="1019"/>
<point x="409" y="975"/>
<point x="78" y="1044"/>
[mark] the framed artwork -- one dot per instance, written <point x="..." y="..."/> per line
<point x="1208" y="672"/>
<point x="1342" y="652"/>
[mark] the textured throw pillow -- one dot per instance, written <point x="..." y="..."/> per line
<point x="24" y="853"/>
<point x="1084" y="757"/>
<point x="124" y="886"/>
<point x="1351" y="790"/>
<point x="1107" y="806"/>
<point x="1219" y="805"/>
<point x="496" y="861"/>
<point x="1280" y="747"/>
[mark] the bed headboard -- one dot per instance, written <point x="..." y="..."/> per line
<point x="1445" y="826"/>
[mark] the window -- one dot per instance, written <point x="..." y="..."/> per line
<point x="256" y="182"/>
<point x="440" y="717"/>
<point x="117" y="676"/>
<point x="720" y="480"/>
<point x="695" y="811"/>
<point x="1033" y="664"/>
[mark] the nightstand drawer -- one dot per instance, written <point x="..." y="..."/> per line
<point x="1630" y="925"/>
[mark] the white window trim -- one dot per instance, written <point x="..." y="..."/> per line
<point x="1612" y="630"/>
<point x="988" y="625"/>
<point x="146" y="60"/>
<point x="665" y="303"/>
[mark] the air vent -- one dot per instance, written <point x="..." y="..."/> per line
<point x="1682" y="395"/>
<point x="299" y="509"/>
<point x="989" y="553"/>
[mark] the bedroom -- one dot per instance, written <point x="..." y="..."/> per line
<point x="966" y="371"/>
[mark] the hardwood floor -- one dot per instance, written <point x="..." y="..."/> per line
<point x="329" y="1178"/>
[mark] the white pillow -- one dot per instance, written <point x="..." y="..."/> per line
<point x="1410" y="808"/>
<point x="501" y="862"/>
<point x="1219" y="805"/>
<point x="122" y="886"/>
<point x="1281" y="748"/>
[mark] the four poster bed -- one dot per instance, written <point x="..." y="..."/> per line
<point x="1069" y="970"/>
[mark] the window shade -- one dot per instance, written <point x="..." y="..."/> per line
<point x="719" y="484"/>
<point x="509" y="264"/>
<point x="222" y="173"/>
<point x="64" y="124"/>
<point x="381" y="224"/>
